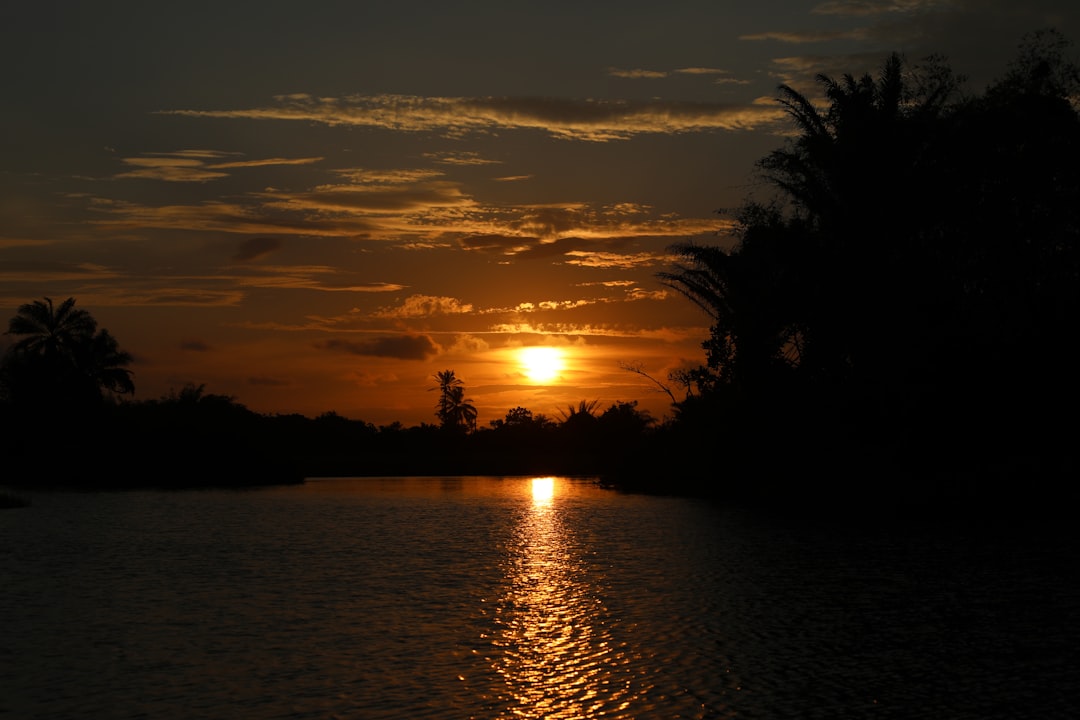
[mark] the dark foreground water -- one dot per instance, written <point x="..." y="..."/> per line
<point x="517" y="598"/>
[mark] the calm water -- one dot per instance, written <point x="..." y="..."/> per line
<point x="516" y="598"/>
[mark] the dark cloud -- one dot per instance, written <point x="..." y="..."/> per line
<point x="402" y="347"/>
<point x="195" y="346"/>
<point x="255" y="248"/>
<point x="496" y="243"/>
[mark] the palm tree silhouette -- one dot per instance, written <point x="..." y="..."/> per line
<point x="106" y="363"/>
<point x="753" y="294"/>
<point x="453" y="409"/>
<point x="61" y="357"/>
<point x="51" y="332"/>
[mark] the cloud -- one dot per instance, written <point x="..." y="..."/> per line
<point x="191" y="165"/>
<point x="616" y="260"/>
<point x="255" y="248"/>
<point x="544" y="230"/>
<point x="460" y="158"/>
<point x="468" y="345"/>
<point x="267" y="161"/>
<point x="169" y="169"/>
<point x="135" y="296"/>
<point x="702" y="71"/>
<point x="497" y="243"/>
<point x="56" y="272"/>
<point x="373" y="198"/>
<point x="307" y="277"/>
<point x="229" y="217"/>
<point x="813" y="36"/>
<point x="608" y="283"/>
<point x="639" y="294"/>
<point x="529" y="307"/>
<point x="868" y="7"/>
<point x="195" y="346"/>
<point x="401" y="347"/>
<point x="637" y="74"/>
<point x="416" y="306"/>
<point x="579" y="329"/>
<point x="591" y="120"/>
<point x="14" y="242"/>
<point x="401" y="176"/>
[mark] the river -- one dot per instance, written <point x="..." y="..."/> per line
<point x="491" y="598"/>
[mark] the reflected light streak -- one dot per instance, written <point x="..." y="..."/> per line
<point x="543" y="491"/>
<point x="552" y="646"/>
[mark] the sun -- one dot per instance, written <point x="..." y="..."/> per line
<point x="541" y="364"/>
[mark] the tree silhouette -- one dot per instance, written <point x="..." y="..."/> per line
<point x="51" y="332"/>
<point x="914" y="278"/>
<point x="454" y="410"/>
<point x="583" y="412"/>
<point x="749" y="293"/>
<point x="61" y="359"/>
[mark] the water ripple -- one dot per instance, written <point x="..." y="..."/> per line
<point x="474" y="598"/>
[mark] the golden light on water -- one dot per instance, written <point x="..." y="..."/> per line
<point x="543" y="490"/>
<point x="552" y="646"/>
<point x="541" y="364"/>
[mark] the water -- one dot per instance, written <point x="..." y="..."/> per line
<point x="516" y="598"/>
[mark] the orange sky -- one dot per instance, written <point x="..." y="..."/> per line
<point x="317" y="206"/>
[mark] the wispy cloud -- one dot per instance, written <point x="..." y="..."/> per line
<point x="192" y="165"/>
<point x="398" y="176"/>
<point x="14" y="242"/>
<point x="421" y="215"/>
<point x="169" y="169"/>
<point x="220" y="216"/>
<point x="720" y="77"/>
<point x="366" y="199"/>
<point x="307" y="277"/>
<point x="637" y="74"/>
<point x="460" y="158"/>
<point x="417" y="306"/>
<point x="616" y="260"/>
<point x="702" y="71"/>
<point x="870" y="7"/>
<point x="56" y="272"/>
<point x="811" y="36"/>
<point x="609" y="330"/>
<point x="266" y="161"/>
<point x="591" y="120"/>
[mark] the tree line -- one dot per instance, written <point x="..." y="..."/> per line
<point x="900" y="303"/>
<point x="66" y="401"/>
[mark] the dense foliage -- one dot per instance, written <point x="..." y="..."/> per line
<point x="907" y="297"/>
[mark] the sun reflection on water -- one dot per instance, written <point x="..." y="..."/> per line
<point x="543" y="491"/>
<point x="552" y="647"/>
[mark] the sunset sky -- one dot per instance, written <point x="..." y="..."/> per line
<point x="316" y="206"/>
